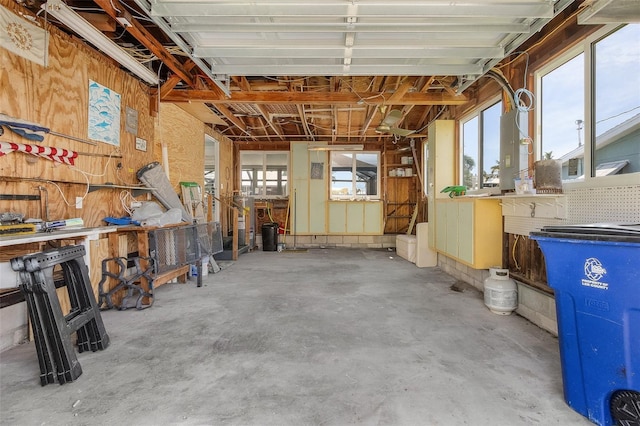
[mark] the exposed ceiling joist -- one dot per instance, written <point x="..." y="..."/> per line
<point x="113" y="8"/>
<point x="277" y="70"/>
<point x="365" y="9"/>
<point x="314" y="98"/>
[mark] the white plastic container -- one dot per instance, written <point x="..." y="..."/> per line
<point x="205" y="266"/>
<point x="406" y="247"/>
<point x="500" y="292"/>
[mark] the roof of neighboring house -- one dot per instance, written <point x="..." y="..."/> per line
<point x="625" y="128"/>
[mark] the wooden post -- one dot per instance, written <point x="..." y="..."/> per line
<point x="209" y="208"/>
<point x="247" y="228"/>
<point x="234" y="253"/>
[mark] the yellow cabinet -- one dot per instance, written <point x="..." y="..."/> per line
<point x="470" y="231"/>
<point x="355" y="217"/>
<point x="440" y="169"/>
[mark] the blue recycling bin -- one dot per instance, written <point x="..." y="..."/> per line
<point x="595" y="272"/>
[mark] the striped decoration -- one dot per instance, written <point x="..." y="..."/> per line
<point x="63" y="156"/>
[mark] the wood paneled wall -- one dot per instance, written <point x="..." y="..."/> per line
<point x="226" y="174"/>
<point x="56" y="97"/>
<point x="183" y="134"/>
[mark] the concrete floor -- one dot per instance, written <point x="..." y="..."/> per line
<point x="324" y="337"/>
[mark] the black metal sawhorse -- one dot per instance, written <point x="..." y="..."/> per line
<point x="51" y="328"/>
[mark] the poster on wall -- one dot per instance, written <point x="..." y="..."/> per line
<point x="104" y="114"/>
<point x="317" y="170"/>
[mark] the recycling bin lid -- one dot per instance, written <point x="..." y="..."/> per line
<point x="605" y="231"/>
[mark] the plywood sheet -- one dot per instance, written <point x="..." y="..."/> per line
<point x="56" y="97"/>
<point x="200" y="111"/>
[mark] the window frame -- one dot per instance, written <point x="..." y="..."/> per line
<point x="477" y="113"/>
<point x="264" y="155"/>
<point x="354" y="196"/>
<point x="585" y="47"/>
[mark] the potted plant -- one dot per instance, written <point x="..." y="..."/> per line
<point x="548" y="175"/>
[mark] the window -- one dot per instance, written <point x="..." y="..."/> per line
<point x="589" y="106"/>
<point x="562" y="114"/>
<point x="616" y="103"/>
<point x="264" y="173"/>
<point x="481" y="148"/>
<point x="355" y="175"/>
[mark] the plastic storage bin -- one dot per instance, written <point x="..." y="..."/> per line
<point x="594" y="270"/>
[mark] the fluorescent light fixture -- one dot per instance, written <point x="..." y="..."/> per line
<point x="82" y="27"/>
<point x="335" y="147"/>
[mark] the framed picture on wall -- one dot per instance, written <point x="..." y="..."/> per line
<point x="317" y="170"/>
<point x="104" y="114"/>
<point x="141" y="144"/>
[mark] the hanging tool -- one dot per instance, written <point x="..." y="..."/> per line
<point x="45" y="215"/>
<point x="33" y="131"/>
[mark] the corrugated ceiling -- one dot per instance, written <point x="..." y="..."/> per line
<point x="350" y="37"/>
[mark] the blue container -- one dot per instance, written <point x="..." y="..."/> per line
<point x="595" y="273"/>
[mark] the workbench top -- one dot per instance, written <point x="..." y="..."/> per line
<point x="11" y="240"/>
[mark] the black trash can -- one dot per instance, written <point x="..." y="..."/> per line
<point x="270" y="236"/>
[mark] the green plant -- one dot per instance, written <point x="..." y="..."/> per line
<point x="548" y="155"/>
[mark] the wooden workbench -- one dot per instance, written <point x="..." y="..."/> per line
<point x="136" y="239"/>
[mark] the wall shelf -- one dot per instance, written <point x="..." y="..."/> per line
<point x="137" y="190"/>
<point x="548" y="206"/>
<point x="400" y="193"/>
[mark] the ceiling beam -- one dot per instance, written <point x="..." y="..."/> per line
<point x="390" y="67"/>
<point x="245" y="85"/>
<point x="389" y="51"/>
<point x="399" y="93"/>
<point x="137" y="30"/>
<point x="265" y="114"/>
<point x="325" y="28"/>
<point x="426" y="41"/>
<point x="366" y="9"/>
<point x="303" y="117"/>
<point x="235" y="120"/>
<point x="174" y="79"/>
<point x="312" y="98"/>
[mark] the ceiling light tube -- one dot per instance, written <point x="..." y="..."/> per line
<point x="79" y="25"/>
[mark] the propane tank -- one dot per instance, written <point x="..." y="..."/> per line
<point x="500" y="292"/>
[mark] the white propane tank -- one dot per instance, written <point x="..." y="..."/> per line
<point x="500" y="292"/>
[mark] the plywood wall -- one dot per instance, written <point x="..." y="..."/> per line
<point x="227" y="173"/>
<point x="56" y="97"/>
<point x="183" y="135"/>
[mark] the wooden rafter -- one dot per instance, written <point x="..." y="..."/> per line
<point x="137" y="30"/>
<point x="305" y="124"/>
<point x="312" y="98"/>
<point x="231" y="117"/>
